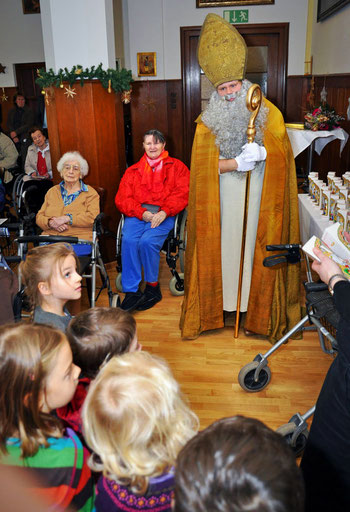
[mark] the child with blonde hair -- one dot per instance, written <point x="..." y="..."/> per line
<point x="95" y="336"/>
<point x="135" y="420"/>
<point x="37" y="375"/>
<point x="50" y="275"/>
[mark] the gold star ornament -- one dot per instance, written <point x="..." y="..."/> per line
<point x="69" y="92"/>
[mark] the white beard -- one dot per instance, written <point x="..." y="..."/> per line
<point x="228" y="120"/>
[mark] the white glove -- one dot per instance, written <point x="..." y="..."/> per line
<point x="243" y="165"/>
<point x="253" y="152"/>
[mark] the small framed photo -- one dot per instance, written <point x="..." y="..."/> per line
<point x="31" y="6"/>
<point x="146" y="64"/>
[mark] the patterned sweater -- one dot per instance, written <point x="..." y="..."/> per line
<point x="64" y="477"/>
<point x="114" y="497"/>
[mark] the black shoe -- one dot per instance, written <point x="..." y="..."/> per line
<point x="131" y="300"/>
<point x="151" y="296"/>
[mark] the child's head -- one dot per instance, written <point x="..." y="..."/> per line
<point x="135" y="419"/>
<point x="238" y="464"/>
<point x="37" y="375"/>
<point x="97" y="334"/>
<point x="51" y="270"/>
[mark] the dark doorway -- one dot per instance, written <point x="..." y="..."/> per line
<point x="271" y="40"/>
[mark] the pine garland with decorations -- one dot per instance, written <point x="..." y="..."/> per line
<point x="118" y="80"/>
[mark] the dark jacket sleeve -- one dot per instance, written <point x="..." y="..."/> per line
<point x="342" y="299"/>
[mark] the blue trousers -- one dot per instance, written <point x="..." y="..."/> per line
<point x="141" y="246"/>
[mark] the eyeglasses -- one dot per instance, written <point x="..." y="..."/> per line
<point x="68" y="167"/>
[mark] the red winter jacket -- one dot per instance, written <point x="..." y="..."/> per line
<point x="172" y="199"/>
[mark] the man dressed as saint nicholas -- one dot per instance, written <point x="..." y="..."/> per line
<point x="220" y="160"/>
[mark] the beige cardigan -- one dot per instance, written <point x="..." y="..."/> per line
<point x="84" y="209"/>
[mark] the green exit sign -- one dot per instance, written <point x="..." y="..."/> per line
<point x="237" y="16"/>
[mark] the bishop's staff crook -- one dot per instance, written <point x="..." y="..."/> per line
<point x="253" y="102"/>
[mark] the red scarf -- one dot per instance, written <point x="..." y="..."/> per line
<point x="41" y="165"/>
<point x="153" y="174"/>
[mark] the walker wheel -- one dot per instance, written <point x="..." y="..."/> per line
<point x="246" y="377"/>
<point x="287" y="431"/>
<point x="118" y="282"/>
<point x="115" y="302"/>
<point x="175" y="287"/>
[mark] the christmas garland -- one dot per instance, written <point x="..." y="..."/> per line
<point x="119" y="81"/>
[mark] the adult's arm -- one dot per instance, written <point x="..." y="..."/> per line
<point x="342" y="299"/>
<point x="10" y="153"/>
<point x="124" y="199"/>
<point x="30" y="165"/>
<point x="42" y="218"/>
<point x="177" y="200"/>
<point x="328" y="270"/>
<point x="85" y="217"/>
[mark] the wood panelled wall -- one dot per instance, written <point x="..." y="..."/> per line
<point x="157" y="104"/>
<point x="338" y="92"/>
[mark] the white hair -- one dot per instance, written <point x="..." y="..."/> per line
<point x="73" y="155"/>
<point x="229" y="120"/>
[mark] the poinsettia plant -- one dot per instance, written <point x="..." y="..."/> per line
<point x="323" y="117"/>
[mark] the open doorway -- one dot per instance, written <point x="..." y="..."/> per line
<point x="267" y="65"/>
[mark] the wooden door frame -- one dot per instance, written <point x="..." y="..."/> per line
<point x="191" y="74"/>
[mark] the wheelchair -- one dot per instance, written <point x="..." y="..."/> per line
<point x="174" y="249"/>
<point x="28" y="194"/>
<point x="322" y="316"/>
<point x="94" y="264"/>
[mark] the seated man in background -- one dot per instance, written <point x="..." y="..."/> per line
<point x="238" y="464"/>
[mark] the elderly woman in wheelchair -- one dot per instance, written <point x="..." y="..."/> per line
<point x="150" y="194"/>
<point x="70" y="208"/>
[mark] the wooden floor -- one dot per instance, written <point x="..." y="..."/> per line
<point x="207" y="368"/>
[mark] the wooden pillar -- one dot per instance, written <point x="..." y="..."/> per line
<point x="91" y="122"/>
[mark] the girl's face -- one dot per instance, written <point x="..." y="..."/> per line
<point x="61" y="381"/>
<point x="65" y="283"/>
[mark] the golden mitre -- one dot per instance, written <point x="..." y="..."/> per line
<point x="222" y="52"/>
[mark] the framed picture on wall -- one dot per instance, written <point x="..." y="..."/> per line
<point x="224" y="3"/>
<point x="31" y="6"/>
<point x="146" y="64"/>
<point x="327" y="7"/>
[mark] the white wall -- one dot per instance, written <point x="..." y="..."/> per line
<point x="331" y="43"/>
<point x="154" y="26"/>
<point x="21" y="39"/>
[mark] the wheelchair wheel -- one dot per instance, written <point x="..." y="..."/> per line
<point x="246" y="377"/>
<point x="118" y="282"/>
<point x="115" y="302"/>
<point x="183" y="240"/>
<point x="287" y="431"/>
<point x="175" y="287"/>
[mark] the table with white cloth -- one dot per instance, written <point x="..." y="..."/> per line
<point x="302" y="139"/>
<point x="311" y="220"/>
<point x="314" y="140"/>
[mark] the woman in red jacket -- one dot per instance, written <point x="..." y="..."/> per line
<point x="150" y="194"/>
